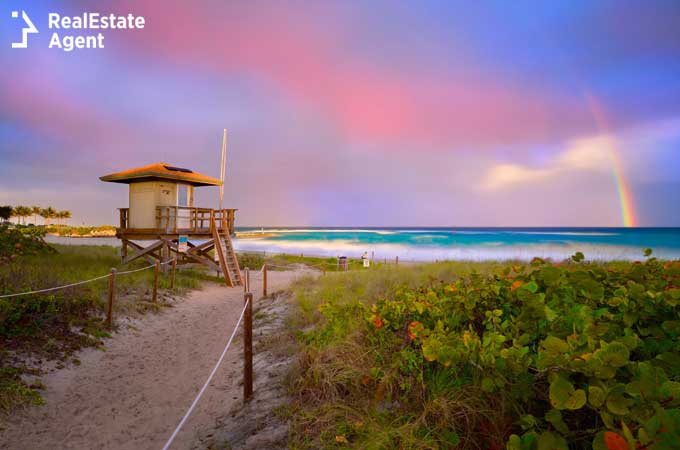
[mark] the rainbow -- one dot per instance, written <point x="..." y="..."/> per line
<point x="622" y="186"/>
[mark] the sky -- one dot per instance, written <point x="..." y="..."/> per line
<point x="355" y="113"/>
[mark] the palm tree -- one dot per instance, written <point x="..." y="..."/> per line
<point x="26" y="212"/>
<point x="15" y="213"/>
<point x="5" y="212"/>
<point x="36" y="212"/>
<point x="62" y="215"/>
<point x="65" y="215"/>
<point x="47" y="214"/>
<point x="22" y="212"/>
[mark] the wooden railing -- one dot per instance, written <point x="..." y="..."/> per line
<point x="186" y="220"/>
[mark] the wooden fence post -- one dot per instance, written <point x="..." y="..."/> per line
<point x="154" y="295"/>
<point x="248" y="348"/>
<point x="172" y="274"/>
<point x="264" y="280"/>
<point x="112" y="295"/>
<point x="396" y="261"/>
<point x="246" y="280"/>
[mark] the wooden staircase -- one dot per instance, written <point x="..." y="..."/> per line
<point x="227" y="258"/>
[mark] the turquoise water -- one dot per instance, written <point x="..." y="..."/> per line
<point x="427" y="244"/>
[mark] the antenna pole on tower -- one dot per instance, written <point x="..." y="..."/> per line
<point x="223" y="168"/>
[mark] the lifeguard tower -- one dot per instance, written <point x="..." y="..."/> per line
<point x="161" y="209"/>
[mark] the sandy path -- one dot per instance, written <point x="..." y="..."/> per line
<point x="132" y="395"/>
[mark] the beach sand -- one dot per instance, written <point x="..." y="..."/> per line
<point x="133" y="394"/>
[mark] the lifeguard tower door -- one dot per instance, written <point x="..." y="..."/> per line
<point x="184" y="199"/>
<point x="142" y="205"/>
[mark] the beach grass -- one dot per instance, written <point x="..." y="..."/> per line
<point x="255" y="260"/>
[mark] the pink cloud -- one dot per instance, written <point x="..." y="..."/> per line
<point x="310" y="61"/>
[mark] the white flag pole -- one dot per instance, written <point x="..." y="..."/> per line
<point x="223" y="168"/>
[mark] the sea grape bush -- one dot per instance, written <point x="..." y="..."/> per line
<point x="588" y="355"/>
<point x="19" y="241"/>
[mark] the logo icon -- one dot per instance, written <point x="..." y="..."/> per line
<point x="24" y="31"/>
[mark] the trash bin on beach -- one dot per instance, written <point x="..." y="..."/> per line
<point x="343" y="263"/>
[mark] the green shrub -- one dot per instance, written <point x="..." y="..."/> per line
<point x="20" y="241"/>
<point x="251" y="260"/>
<point x="537" y="357"/>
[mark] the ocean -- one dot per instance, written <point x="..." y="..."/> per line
<point x="432" y="244"/>
<point x="475" y="244"/>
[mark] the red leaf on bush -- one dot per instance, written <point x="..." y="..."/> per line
<point x="615" y="441"/>
<point x="411" y="326"/>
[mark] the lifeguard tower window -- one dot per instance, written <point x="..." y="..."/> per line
<point x="183" y="195"/>
<point x="178" y="169"/>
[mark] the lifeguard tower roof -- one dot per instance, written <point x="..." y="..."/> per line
<point x="161" y="171"/>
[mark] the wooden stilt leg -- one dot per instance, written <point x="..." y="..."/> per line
<point x="124" y="250"/>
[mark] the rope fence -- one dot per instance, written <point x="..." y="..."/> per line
<point x="259" y="275"/>
<point x="298" y="265"/>
<point x="171" y="261"/>
<point x="113" y="274"/>
<point x="56" y="288"/>
<point x="137" y="270"/>
<point x="78" y="283"/>
<point x="246" y="306"/>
